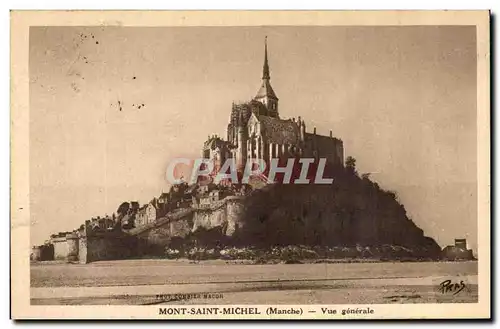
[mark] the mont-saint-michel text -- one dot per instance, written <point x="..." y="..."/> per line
<point x="296" y="311"/>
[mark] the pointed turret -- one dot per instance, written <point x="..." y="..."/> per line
<point x="266" y="94"/>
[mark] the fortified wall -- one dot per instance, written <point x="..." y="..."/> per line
<point x="88" y="243"/>
<point x="225" y="215"/>
<point x="91" y="243"/>
<point x="458" y="251"/>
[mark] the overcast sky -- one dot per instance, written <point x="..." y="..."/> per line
<point x="403" y="100"/>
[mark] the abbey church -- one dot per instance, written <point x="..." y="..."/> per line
<point x="256" y="130"/>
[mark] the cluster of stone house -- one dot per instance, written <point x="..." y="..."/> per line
<point x="209" y="195"/>
<point x="179" y="196"/>
<point x="185" y="196"/>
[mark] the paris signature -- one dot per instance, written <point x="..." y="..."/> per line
<point x="450" y="287"/>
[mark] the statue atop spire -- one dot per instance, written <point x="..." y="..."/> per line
<point x="265" y="74"/>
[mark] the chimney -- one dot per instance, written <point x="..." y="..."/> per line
<point x="315" y="130"/>
<point x="331" y="134"/>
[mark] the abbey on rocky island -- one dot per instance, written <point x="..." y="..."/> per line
<point x="256" y="131"/>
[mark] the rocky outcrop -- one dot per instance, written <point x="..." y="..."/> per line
<point x="353" y="211"/>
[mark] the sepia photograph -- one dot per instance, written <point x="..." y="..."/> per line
<point x="255" y="168"/>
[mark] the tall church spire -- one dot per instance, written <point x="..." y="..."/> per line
<point x="265" y="74"/>
<point x="266" y="94"/>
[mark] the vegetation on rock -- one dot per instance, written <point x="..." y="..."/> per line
<point x="351" y="218"/>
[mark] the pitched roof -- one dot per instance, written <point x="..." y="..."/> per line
<point x="266" y="90"/>
<point x="280" y="131"/>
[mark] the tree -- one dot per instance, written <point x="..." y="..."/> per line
<point x="123" y="209"/>
<point x="350" y="164"/>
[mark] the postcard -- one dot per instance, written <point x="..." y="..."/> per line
<point x="250" y="165"/>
